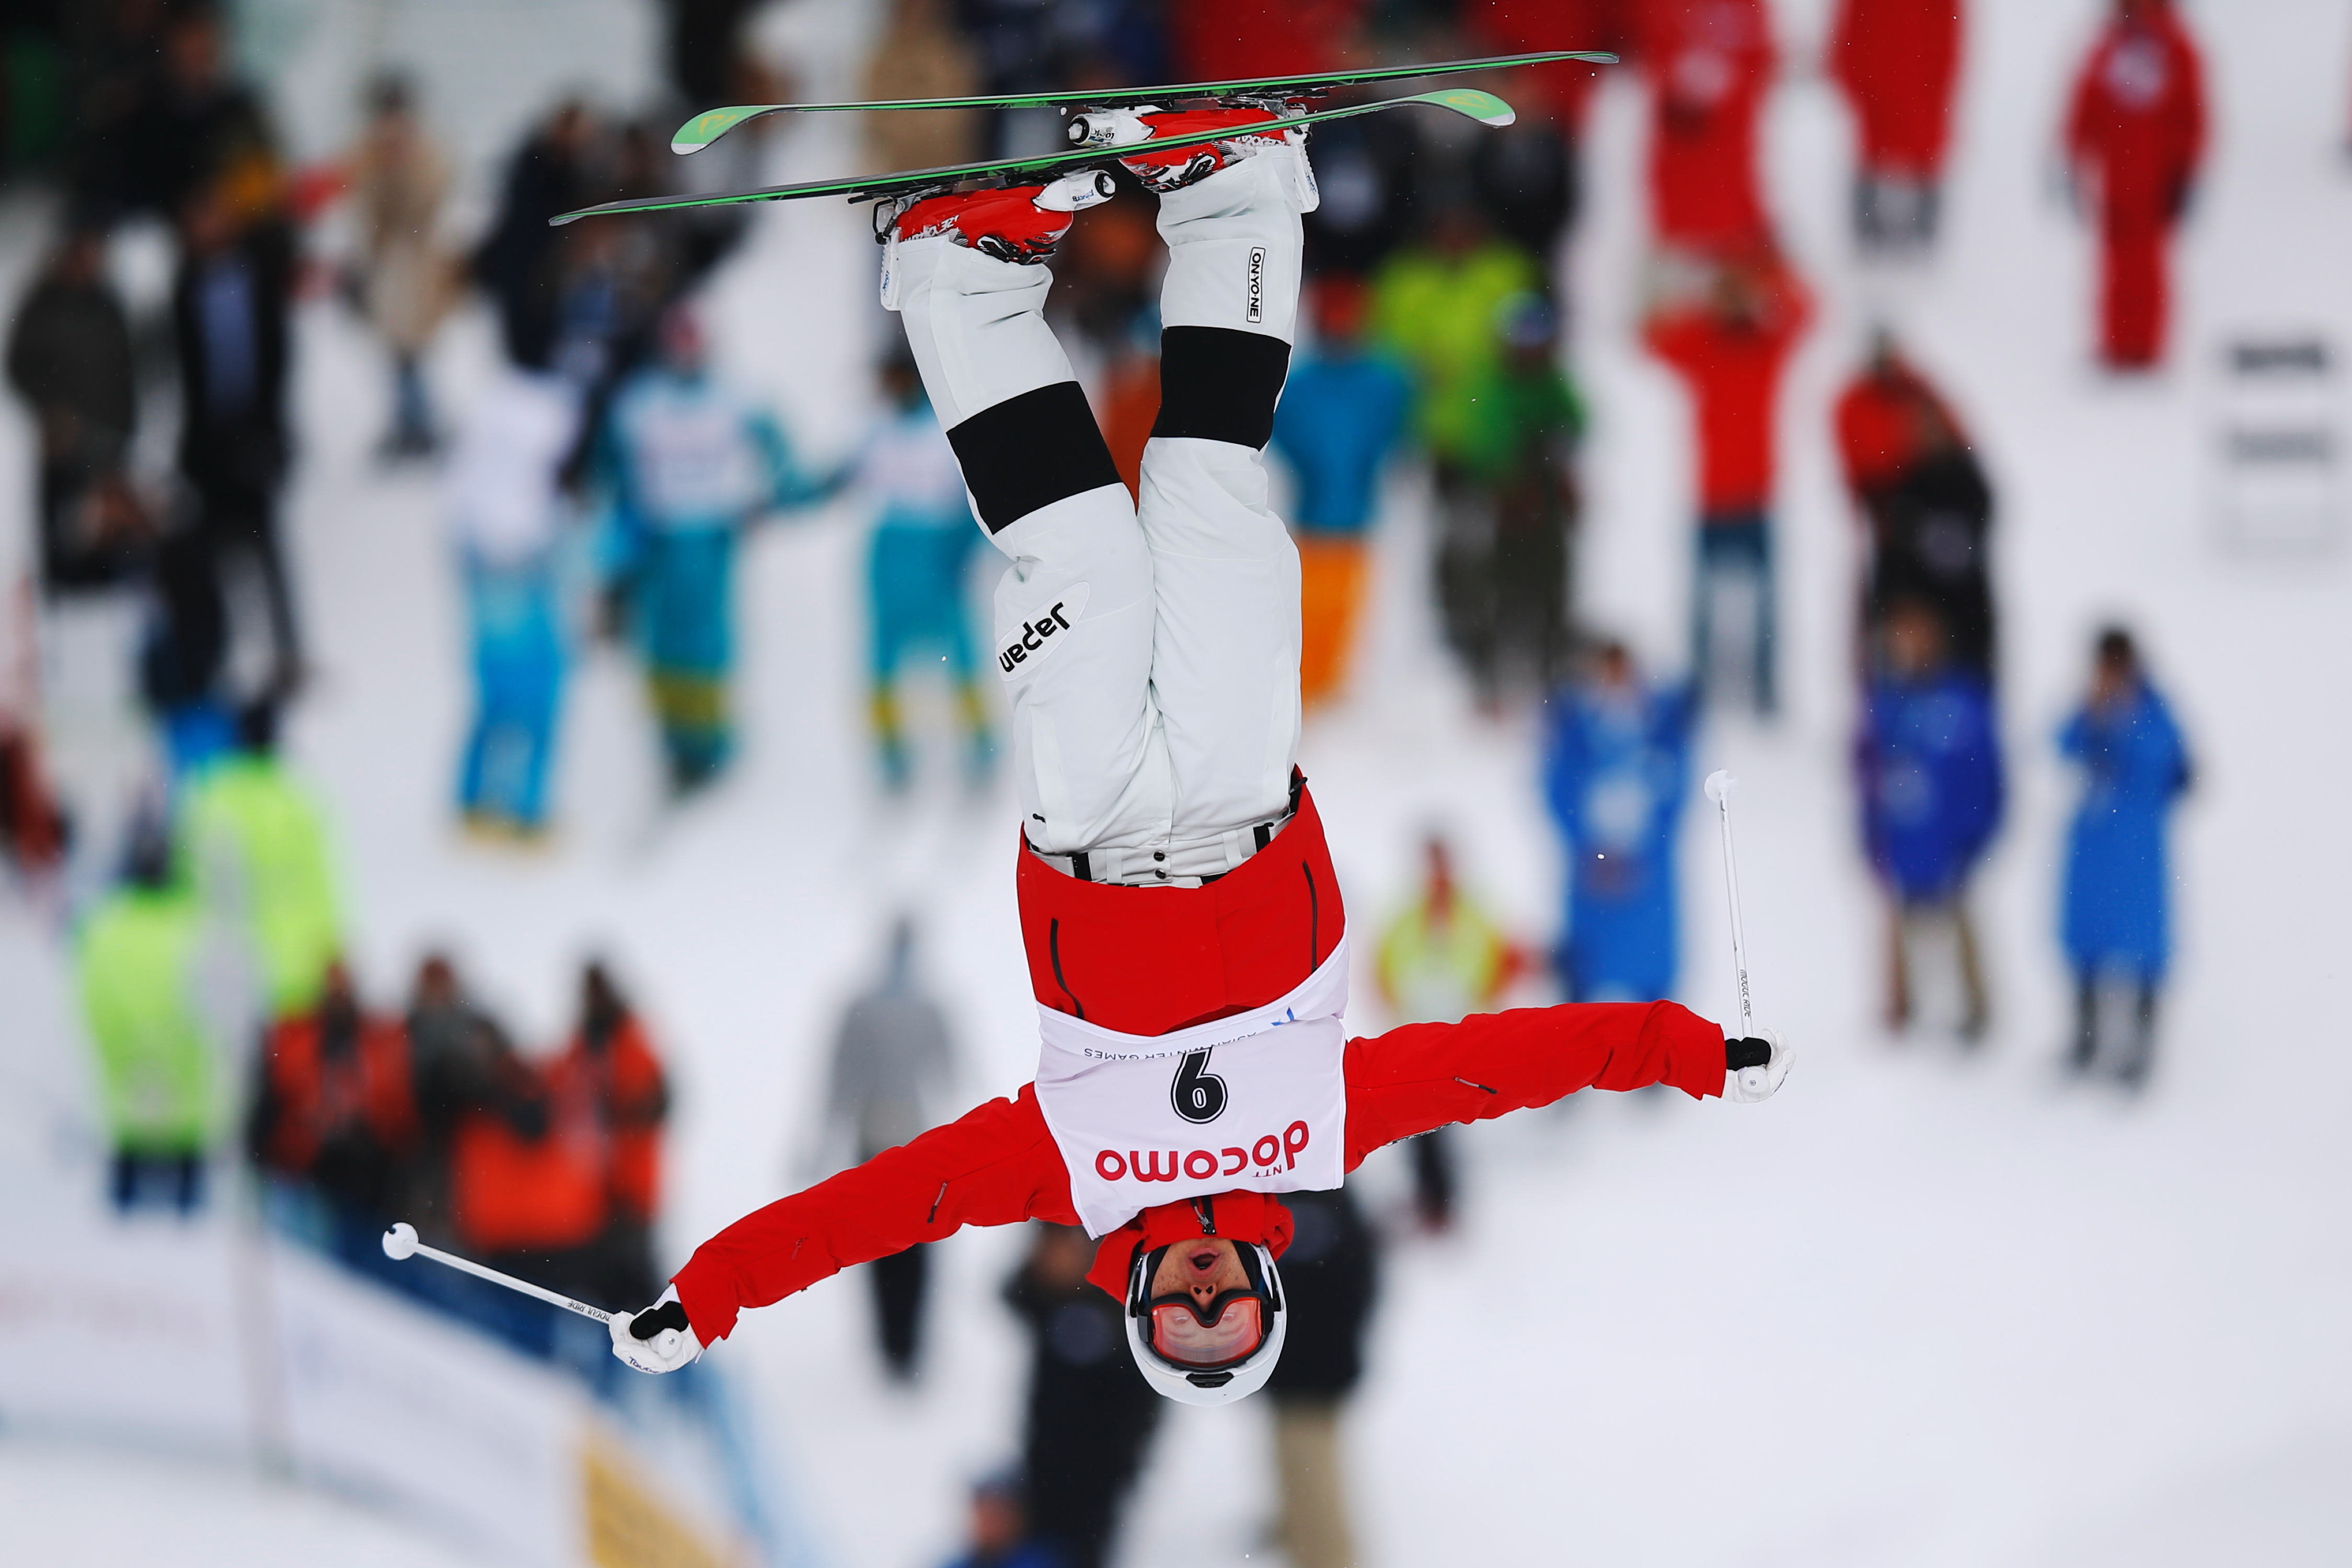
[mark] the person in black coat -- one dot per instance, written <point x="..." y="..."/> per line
<point x="1330" y="1277"/>
<point x="69" y="357"/>
<point x="232" y="305"/>
<point x="1090" y="1414"/>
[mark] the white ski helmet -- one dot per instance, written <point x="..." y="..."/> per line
<point x="1212" y="1380"/>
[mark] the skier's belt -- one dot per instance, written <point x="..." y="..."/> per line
<point x="1186" y="865"/>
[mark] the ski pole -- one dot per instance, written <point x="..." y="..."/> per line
<point x="401" y="1242"/>
<point x="1720" y="785"/>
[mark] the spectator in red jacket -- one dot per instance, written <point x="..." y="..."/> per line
<point x="1710" y="63"/>
<point x="1920" y="491"/>
<point x="1227" y="40"/>
<point x="1899" y="61"/>
<point x="1193" y="1063"/>
<point x="2134" y="136"/>
<point x="1729" y="343"/>
<point x="1563" y="91"/>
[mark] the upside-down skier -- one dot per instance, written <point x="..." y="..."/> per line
<point x="1186" y="938"/>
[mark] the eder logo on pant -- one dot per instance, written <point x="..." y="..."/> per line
<point x="1042" y="633"/>
<point x="1199" y="1094"/>
<point x="1253" y="308"/>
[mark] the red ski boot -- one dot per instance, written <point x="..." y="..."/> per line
<point x="1012" y="222"/>
<point x="1173" y="168"/>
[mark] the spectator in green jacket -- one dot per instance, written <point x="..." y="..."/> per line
<point x="256" y="843"/>
<point x="159" y="1066"/>
<point x="1437" y="306"/>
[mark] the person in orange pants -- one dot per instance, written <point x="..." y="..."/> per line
<point x="1339" y="417"/>
<point x="2134" y="136"/>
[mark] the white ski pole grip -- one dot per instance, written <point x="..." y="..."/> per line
<point x="400" y="1242"/>
<point x="1719" y="786"/>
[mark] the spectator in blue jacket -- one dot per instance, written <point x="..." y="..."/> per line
<point x="1339" y="417"/>
<point x="686" y="464"/>
<point x="1616" y="771"/>
<point x="2116" y="918"/>
<point x="1929" y="761"/>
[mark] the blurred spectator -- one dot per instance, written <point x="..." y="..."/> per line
<point x="1525" y="178"/>
<point x="1930" y="764"/>
<point x="1329" y="1280"/>
<point x="1710" y="65"/>
<point x="1090" y="1414"/>
<point x="607" y="1092"/>
<point x="1899" y="62"/>
<point x="1229" y="40"/>
<point x="1525" y="27"/>
<point x="687" y="464"/>
<point x="454" y="1050"/>
<point x="1504" y="568"/>
<point x="1729" y="344"/>
<point x="1920" y="489"/>
<point x="2118" y="917"/>
<point x="919" y="54"/>
<point x="1442" y="958"/>
<point x="1616" y="773"/>
<point x="1439" y="305"/>
<point x="172" y="118"/>
<point x="1339" y="417"/>
<point x="705" y="38"/>
<point x="69" y="358"/>
<point x="1365" y="173"/>
<point x="1000" y="1530"/>
<point x="256" y="843"/>
<point x="891" y="1061"/>
<point x="159" y="1065"/>
<point x="399" y="179"/>
<point x="335" y="1110"/>
<point x="918" y="570"/>
<point x="232" y="308"/>
<point x="519" y="261"/>
<point x="34" y="828"/>
<point x="184" y="649"/>
<point x="507" y="515"/>
<point x="2135" y="134"/>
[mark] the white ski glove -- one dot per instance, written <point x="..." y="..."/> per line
<point x="1764" y="1062"/>
<point x="668" y="1340"/>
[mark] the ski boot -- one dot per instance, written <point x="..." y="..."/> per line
<point x="1020" y="224"/>
<point x="1173" y="168"/>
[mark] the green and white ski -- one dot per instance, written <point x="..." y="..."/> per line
<point x="713" y="123"/>
<point x="1483" y="107"/>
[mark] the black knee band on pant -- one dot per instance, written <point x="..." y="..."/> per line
<point x="1218" y="385"/>
<point x="1031" y="451"/>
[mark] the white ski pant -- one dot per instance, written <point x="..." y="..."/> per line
<point x="1150" y="650"/>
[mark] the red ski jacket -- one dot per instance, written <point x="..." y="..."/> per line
<point x="1733" y="370"/>
<point x="1899" y="61"/>
<point x="1710" y="63"/>
<point x="999" y="1164"/>
<point x="2138" y="118"/>
<point x="1882" y="419"/>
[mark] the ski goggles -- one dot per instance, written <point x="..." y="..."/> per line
<point x="1201" y="1339"/>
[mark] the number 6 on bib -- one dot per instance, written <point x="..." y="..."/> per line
<point x="1199" y="1094"/>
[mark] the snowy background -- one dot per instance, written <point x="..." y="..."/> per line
<point x="1922" y="1309"/>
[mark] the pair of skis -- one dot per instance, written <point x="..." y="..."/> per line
<point x="1289" y="90"/>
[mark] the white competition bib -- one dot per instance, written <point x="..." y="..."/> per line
<point x="1257" y="1100"/>
<point x="695" y="462"/>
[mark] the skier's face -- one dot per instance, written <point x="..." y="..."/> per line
<point x="1202" y="1270"/>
